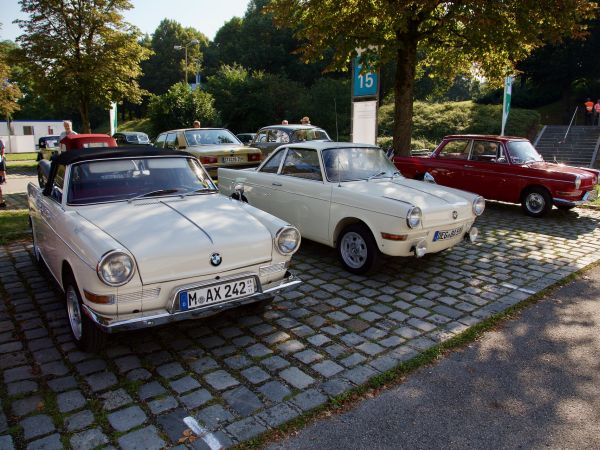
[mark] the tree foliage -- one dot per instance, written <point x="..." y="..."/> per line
<point x="82" y="52"/>
<point x="179" y="107"/>
<point x="453" y="36"/>
<point x="9" y="90"/>
<point x="166" y="66"/>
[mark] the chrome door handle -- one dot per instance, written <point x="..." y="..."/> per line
<point x="467" y="166"/>
<point x="276" y="184"/>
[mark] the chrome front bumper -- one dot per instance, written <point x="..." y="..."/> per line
<point x="109" y="325"/>
<point x="589" y="196"/>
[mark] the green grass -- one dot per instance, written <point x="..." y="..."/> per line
<point x="21" y="156"/>
<point x="14" y="225"/>
<point x="20" y="165"/>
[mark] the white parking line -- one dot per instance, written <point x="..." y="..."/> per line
<point x="202" y="433"/>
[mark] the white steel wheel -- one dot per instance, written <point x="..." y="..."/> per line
<point x="357" y="249"/>
<point x="354" y="250"/>
<point x="74" y="313"/>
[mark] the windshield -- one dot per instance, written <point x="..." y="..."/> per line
<point x="123" y="179"/>
<point x="313" y="134"/>
<point x="210" y="137"/>
<point x="139" y="138"/>
<point x="522" y="152"/>
<point x="357" y="163"/>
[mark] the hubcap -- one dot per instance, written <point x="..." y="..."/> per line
<point x="354" y="250"/>
<point x="535" y="202"/>
<point x="74" y="312"/>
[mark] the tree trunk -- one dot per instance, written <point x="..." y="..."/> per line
<point x="84" y="112"/>
<point x="406" y="62"/>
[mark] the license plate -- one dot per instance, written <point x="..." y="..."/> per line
<point x="447" y="234"/>
<point x="195" y="298"/>
<point x="232" y="159"/>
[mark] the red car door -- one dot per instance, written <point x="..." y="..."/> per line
<point x="448" y="165"/>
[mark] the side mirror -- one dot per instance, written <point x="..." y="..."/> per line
<point x="428" y="178"/>
<point x="239" y="189"/>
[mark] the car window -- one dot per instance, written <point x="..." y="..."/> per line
<point x="487" y="151"/>
<point x="160" y="140"/>
<point x="171" y="141"/>
<point x="272" y="165"/>
<point x="58" y="184"/>
<point x="312" y="134"/>
<point x="209" y="136"/>
<point x="302" y="163"/>
<point x="455" y="149"/>
<point x="262" y="137"/>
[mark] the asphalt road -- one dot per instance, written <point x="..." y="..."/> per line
<point x="533" y="383"/>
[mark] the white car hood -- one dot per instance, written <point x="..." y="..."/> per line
<point x="436" y="202"/>
<point x="173" y="238"/>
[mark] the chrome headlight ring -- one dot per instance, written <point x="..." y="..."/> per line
<point x="413" y="217"/>
<point x="287" y="240"/>
<point x="115" y="268"/>
<point x="478" y="205"/>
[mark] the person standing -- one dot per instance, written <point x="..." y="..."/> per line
<point x="284" y="122"/>
<point x="197" y="124"/>
<point x="597" y="112"/>
<point x="2" y="173"/>
<point x="68" y="130"/>
<point x="305" y="120"/>
<point x="589" y="111"/>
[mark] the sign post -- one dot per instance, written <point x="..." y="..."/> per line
<point x="506" y="103"/>
<point x="365" y="101"/>
<point x="113" y="118"/>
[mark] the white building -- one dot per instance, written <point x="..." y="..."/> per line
<point x="24" y="134"/>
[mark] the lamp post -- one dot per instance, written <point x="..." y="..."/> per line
<point x="185" y="47"/>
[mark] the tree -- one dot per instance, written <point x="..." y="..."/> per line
<point x="167" y="65"/>
<point x="9" y="91"/>
<point x="454" y="36"/>
<point x="82" y="52"/>
<point x="179" y="107"/>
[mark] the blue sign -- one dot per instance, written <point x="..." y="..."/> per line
<point x="364" y="84"/>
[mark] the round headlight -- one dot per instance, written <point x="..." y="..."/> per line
<point x="287" y="240"/>
<point x="413" y="218"/>
<point x="577" y="182"/>
<point x="478" y="205"/>
<point x="115" y="268"/>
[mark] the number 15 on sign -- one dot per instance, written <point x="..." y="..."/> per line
<point x="364" y="84"/>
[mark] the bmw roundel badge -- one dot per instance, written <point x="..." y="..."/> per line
<point x="454" y="215"/>
<point x="215" y="259"/>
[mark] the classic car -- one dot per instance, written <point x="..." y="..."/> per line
<point x="70" y="142"/>
<point x="50" y="141"/>
<point x="351" y="197"/>
<point x="246" y="138"/>
<point x="271" y="137"/>
<point x="503" y="168"/>
<point x="131" y="138"/>
<point x="137" y="238"/>
<point x="214" y="147"/>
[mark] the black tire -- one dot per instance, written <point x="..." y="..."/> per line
<point x="536" y="202"/>
<point x="357" y="249"/>
<point x="565" y="207"/>
<point x="89" y="338"/>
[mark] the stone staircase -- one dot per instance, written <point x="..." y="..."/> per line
<point x="579" y="149"/>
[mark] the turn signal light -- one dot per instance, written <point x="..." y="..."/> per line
<point x="100" y="299"/>
<point x="394" y="237"/>
<point x="208" y="159"/>
<point x="254" y="157"/>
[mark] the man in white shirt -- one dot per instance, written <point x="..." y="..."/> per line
<point x="68" y="130"/>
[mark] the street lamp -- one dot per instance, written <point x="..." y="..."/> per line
<point x="185" y="47"/>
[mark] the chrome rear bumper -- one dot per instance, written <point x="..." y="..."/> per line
<point x="110" y="325"/>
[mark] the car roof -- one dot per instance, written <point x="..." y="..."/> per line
<point x="88" y="154"/>
<point x="292" y="127"/>
<point x="130" y="132"/>
<point x="192" y="129"/>
<point x="324" y="145"/>
<point x="486" y="136"/>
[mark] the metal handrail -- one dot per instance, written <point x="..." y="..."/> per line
<point x="569" y="127"/>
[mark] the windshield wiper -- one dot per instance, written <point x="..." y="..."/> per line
<point x="375" y="175"/>
<point x="198" y="191"/>
<point x="154" y="193"/>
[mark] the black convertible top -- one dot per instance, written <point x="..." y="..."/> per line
<point x="88" y="154"/>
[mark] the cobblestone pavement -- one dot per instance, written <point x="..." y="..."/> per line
<point x="236" y="377"/>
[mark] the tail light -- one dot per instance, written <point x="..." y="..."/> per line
<point x="254" y="157"/>
<point x="208" y="159"/>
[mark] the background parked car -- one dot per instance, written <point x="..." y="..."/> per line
<point x="131" y="138"/>
<point x="214" y="147"/>
<point x="269" y="138"/>
<point x="503" y="168"/>
<point x="246" y="138"/>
